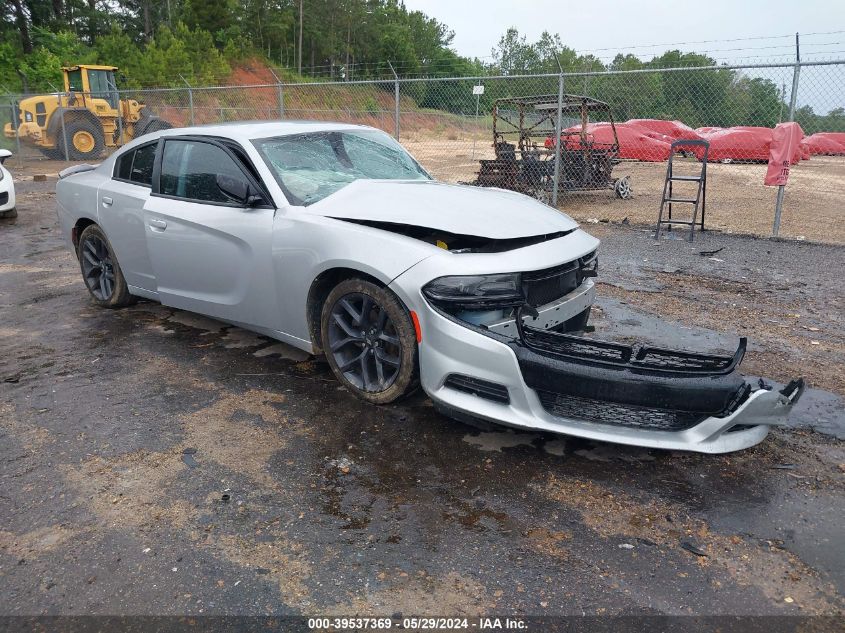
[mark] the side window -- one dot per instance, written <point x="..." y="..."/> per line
<point x="189" y="170"/>
<point x="74" y="79"/>
<point x="142" y="165"/>
<point x="137" y="166"/>
<point x="124" y="166"/>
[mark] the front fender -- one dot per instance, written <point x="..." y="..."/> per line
<point x="306" y="246"/>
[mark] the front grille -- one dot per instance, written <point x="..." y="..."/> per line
<point x="656" y="358"/>
<point x="616" y="414"/>
<point x="576" y="346"/>
<point x="4" y="197"/>
<point x="544" y="286"/>
<point x="481" y="388"/>
<point x="672" y="359"/>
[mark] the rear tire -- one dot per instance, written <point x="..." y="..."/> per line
<point x="100" y="270"/>
<point x="370" y="341"/>
<point x="147" y="126"/>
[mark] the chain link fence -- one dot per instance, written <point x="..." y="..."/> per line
<point x="448" y="124"/>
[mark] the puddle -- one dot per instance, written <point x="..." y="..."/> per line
<point x="197" y="321"/>
<point x="555" y="447"/>
<point x="497" y="440"/>
<point x="820" y="410"/>
<point x="609" y="452"/>
<point x="236" y="338"/>
<point x="617" y="321"/>
<point x="808" y="525"/>
<point x="285" y="351"/>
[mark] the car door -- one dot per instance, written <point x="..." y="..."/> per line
<point x="120" y="204"/>
<point x="210" y="254"/>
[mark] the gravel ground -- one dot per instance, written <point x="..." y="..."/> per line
<point x="156" y="462"/>
<point x="737" y="200"/>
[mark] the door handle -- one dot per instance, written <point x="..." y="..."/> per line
<point x="107" y="202"/>
<point x="158" y="225"/>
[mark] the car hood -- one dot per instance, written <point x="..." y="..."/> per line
<point x="460" y="209"/>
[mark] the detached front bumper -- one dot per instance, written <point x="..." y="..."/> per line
<point x="637" y="396"/>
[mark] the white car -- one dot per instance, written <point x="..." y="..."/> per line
<point x="7" y="188"/>
<point x="332" y="238"/>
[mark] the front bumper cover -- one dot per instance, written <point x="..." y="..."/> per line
<point x="638" y="396"/>
<point x="644" y="387"/>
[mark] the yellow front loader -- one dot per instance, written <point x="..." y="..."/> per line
<point x="82" y="122"/>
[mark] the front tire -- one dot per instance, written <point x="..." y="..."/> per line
<point x="100" y="270"/>
<point x="370" y="341"/>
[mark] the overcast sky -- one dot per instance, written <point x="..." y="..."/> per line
<point x="743" y="31"/>
<point x="620" y="24"/>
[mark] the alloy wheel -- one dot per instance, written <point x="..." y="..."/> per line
<point x="97" y="267"/>
<point x="364" y="343"/>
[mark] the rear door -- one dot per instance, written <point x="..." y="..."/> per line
<point x="209" y="254"/>
<point x="120" y="204"/>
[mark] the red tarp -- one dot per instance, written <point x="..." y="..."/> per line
<point x="633" y="143"/>
<point x="839" y="137"/>
<point x="650" y="139"/>
<point x="825" y="144"/>
<point x="786" y="137"/>
<point x="737" y="144"/>
<point x="673" y="129"/>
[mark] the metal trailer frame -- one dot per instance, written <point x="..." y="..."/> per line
<point x="524" y="130"/>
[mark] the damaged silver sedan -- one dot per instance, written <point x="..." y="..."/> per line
<point x="333" y="239"/>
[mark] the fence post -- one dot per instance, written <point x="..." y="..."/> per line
<point x="280" y="94"/>
<point x="16" y="122"/>
<point x="62" y="112"/>
<point x="558" y="122"/>
<point x="796" y="74"/>
<point x="190" y="98"/>
<point x="396" y="99"/>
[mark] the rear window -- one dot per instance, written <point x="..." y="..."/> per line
<point x="136" y="166"/>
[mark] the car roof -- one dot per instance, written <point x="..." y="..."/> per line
<point x="248" y="130"/>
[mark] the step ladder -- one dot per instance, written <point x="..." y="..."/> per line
<point x="668" y="198"/>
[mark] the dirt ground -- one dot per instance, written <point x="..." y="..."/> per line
<point x="154" y="461"/>
<point x="737" y="200"/>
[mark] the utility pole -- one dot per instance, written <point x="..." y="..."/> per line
<point x="299" y="67"/>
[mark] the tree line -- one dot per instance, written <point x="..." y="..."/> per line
<point x="165" y="43"/>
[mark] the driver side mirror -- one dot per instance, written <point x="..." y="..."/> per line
<point x="238" y="190"/>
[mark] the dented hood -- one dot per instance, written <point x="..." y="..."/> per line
<point x="460" y="209"/>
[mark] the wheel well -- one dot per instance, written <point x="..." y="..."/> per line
<point x="319" y="292"/>
<point x="81" y="225"/>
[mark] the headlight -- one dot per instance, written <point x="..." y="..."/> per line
<point x="27" y="116"/>
<point x="476" y="292"/>
<point x="589" y="266"/>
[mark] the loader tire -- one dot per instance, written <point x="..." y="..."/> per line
<point x="84" y="139"/>
<point x="53" y="153"/>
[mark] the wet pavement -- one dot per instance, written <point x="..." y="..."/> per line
<point x="154" y="461"/>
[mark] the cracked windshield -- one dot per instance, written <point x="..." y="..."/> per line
<point x="310" y="167"/>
